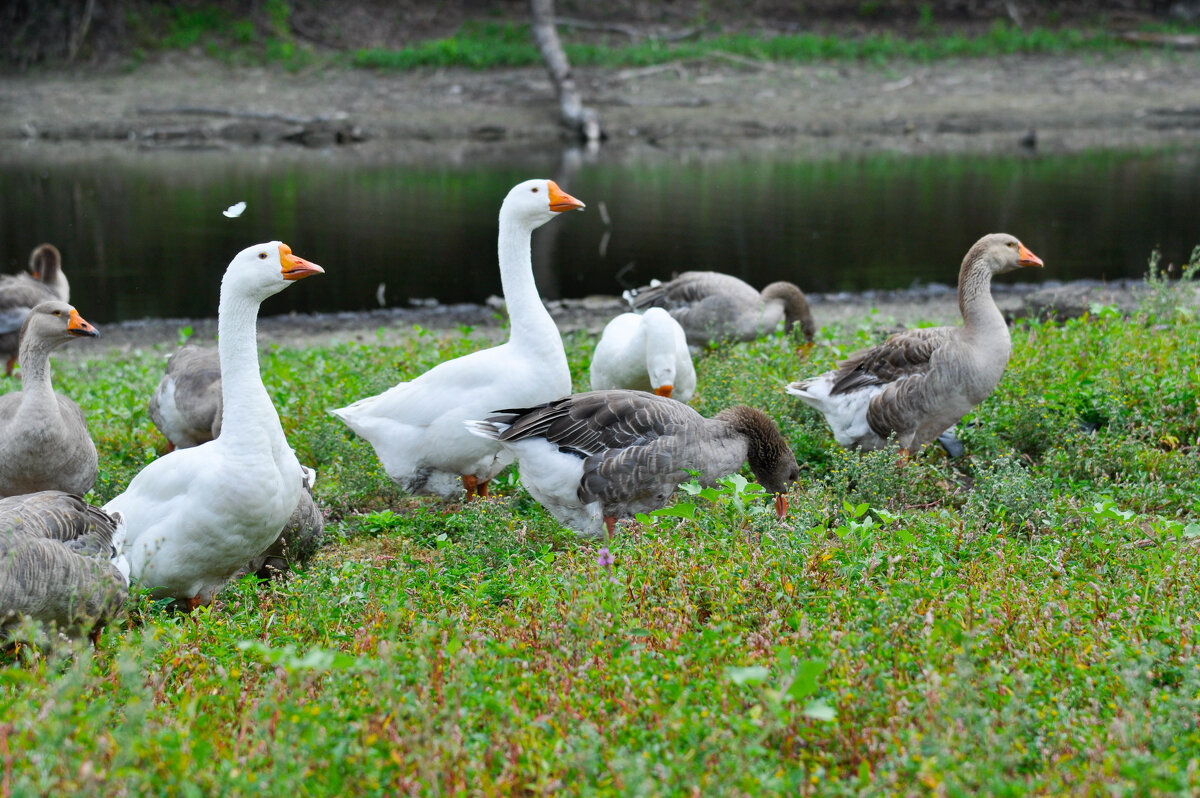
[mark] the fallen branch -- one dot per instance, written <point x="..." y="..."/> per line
<point x="1182" y="41"/>
<point x="199" y="110"/>
<point x="642" y="72"/>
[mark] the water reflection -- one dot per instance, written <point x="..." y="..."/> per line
<point x="143" y="235"/>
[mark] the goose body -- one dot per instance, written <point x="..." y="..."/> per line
<point x="593" y="458"/>
<point x="59" y="562"/>
<point x="644" y="352"/>
<point x="44" y="439"/>
<point x="416" y="427"/>
<point x="299" y="540"/>
<point x="19" y="293"/>
<point x="713" y="307"/>
<point x="195" y="516"/>
<point x="919" y="383"/>
<point x="186" y="406"/>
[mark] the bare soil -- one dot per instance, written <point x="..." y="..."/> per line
<point x="717" y="107"/>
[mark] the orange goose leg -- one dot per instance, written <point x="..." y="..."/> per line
<point x="471" y="483"/>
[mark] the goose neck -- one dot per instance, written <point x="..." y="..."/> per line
<point x="975" y="302"/>
<point x="244" y="399"/>
<point x="528" y="317"/>
<point x="35" y="367"/>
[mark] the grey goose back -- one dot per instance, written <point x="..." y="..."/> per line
<point x="60" y="563"/>
<point x="44" y="439"/>
<point x="20" y="292"/>
<point x="919" y="383"/>
<point x="713" y="307"/>
<point x="186" y="406"/>
<point x="593" y="458"/>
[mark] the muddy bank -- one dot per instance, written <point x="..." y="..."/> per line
<point x="881" y="310"/>
<point x="715" y="105"/>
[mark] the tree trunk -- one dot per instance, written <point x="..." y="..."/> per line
<point x="582" y="121"/>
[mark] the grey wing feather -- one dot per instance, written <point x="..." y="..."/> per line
<point x="902" y="355"/>
<point x="690" y="288"/>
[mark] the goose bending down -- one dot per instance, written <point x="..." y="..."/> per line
<point x="195" y="516"/>
<point x="416" y="427"/>
<point x="593" y="458"/>
<point x="186" y="406"/>
<point x="60" y="562"/>
<point x="714" y="307"/>
<point x="44" y="440"/>
<point x="646" y="352"/>
<point x="19" y="293"/>
<point x="919" y="383"/>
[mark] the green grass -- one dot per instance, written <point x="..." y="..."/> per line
<point x="493" y="44"/>
<point x="1022" y="620"/>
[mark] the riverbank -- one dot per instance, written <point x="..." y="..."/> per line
<point x="718" y="106"/>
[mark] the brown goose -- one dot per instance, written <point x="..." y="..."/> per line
<point x="44" y="440"/>
<point x="19" y="293"/>
<point x="592" y="458"/>
<point x="60" y="562"/>
<point x="919" y="383"/>
<point x="186" y="406"/>
<point x="714" y="307"/>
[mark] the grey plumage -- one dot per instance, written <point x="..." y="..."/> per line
<point x="919" y="383"/>
<point x="56" y="562"/>
<point x="20" y="292"/>
<point x="612" y="454"/>
<point x="44" y="439"/>
<point x="186" y="406"/>
<point x="712" y="307"/>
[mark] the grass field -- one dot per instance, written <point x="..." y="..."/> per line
<point x="1022" y="620"/>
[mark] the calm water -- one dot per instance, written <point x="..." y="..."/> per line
<point x="142" y="234"/>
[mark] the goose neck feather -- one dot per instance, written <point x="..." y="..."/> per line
<point x="981" y="316"/>
<point x="531" y="324"/>
<point x="767" y="451"/>
<point x="247" y="409"/>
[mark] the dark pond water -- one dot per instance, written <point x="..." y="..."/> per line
<point x="143" y="235"/>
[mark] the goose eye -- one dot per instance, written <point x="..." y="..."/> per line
<point x="58" y="313"/>
<point x="534" y="189"/>
<point x="262" y="256"/>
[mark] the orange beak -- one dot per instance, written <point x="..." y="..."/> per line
<point x="562" y="201"/>
<point x="77" y="325"/>
<point x="294" y="267"/>
<point x="664" y="390"/>
<point x="1027" y="257"/>
<point x="781" y="506"/>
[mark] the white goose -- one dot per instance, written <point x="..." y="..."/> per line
<point x="646" y="352"/>
<point x="417" y="427"/>
<point x="918" y="383"/>
<point x="195" y="516"/>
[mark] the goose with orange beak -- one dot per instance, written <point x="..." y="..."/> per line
<point x="195" y="516"/>
<point x="416" y="427"/>
<point x="918" y="384"/>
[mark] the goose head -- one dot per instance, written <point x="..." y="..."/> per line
<point x="533" y="203"/>
<point x="768" y="453"/>
<point x="264" y="270"/>
<point x="1002" y="253"/>
<point x="45" y="263"/>
<point x="55" y="323"/>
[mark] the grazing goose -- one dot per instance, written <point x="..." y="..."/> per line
<point x="919" y="383"/>
<point x="60" y="562"/>
<point x="593" y="458"/>
<point x="714" y="307"/>
<point x="186" y="406"/>
<point x="44" y="440"/>
<point x="195" y="516"/>
<point x="416" y="427"/>
<point x="299" y="540"/>
<point x="646" y="352"/>
<point x="19" y="293"/>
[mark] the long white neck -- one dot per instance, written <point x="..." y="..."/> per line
<point x="247" y="414"/>
<point x="657" y="333"/>
<point x="531" y="324"/>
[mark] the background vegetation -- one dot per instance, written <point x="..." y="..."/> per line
<point x="1023" y="619"/>
<point x="406" y="34"/>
